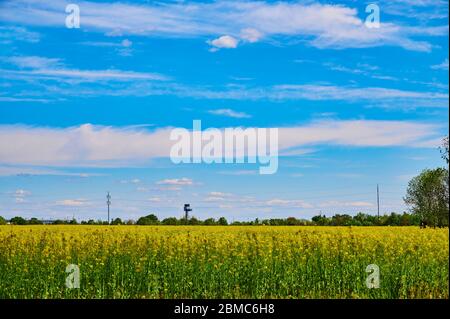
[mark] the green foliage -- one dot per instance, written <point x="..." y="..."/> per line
<point x="222" y="221"/>
<point x="117" y="221"/>
<point x="18" y="221"/>
<point x="2" y="221"/>
<point x="428" y="196"/>
<point x="148" y="220"/>
<point x="170" y="221"/>
<point x="34" y="221"/>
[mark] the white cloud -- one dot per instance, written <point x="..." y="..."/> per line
<point x="176" y="182"/>
<point x="84" y="145"/>
<point x="53" y="68"/>
<point x="229" y="113"/>
<point x="441" y="66"/>
<point x="72" y="202"/>
<point x="123" y="48"/>
<point x="224" y="42"/>
<point x="288" y="203"/>
<point x="21" y="193"/>
<point x="34" y="62"/>
<point x="321" y="25"/>
<point x="356" y="133"/>
<point x="126" y="43"/>
<point x="132" y="181"/>
<point x="219" y="194"/>
<point x="103" y="146"/>
<point x="239" y="172"/>
<point x="219" y="197"/>
<point x="345" y="204"/>
<point x="34" y="171"/>
<point x="251" y="35"/>
<point x="9" y="34"/>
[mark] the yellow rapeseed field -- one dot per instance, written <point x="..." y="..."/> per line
<point x="223" y="262"/>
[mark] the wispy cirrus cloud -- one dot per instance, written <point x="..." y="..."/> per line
<point x="54" y="69"/>
<point x="73" y="202"/>
<point x="9" y="34"/>
<point x="441" y="66"/>
<point x="321" y="25"/>
<point x="184" y="181"/>
<point x="229" y="113"/>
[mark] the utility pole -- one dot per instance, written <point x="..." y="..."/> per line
<point x="378" y="201"/>
<point x="108" y="202"/>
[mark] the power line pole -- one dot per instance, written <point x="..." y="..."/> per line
<point x="108" y="202"/>
<point x="378" y="201"/>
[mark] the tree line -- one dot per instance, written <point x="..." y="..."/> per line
<point x="359" y="219"/>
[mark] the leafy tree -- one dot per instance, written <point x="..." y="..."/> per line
<point x="428" y="196"/>
<point x="2" y="221"/>
<point x="170" y="221"/>
<point x="292" y="221"/>
<point x="148" y="220"/>
<point x="209" y="222"/>
<point x="222" y="221"/>
<point x="320" y="220"/>
<point x="34" y="221"/>
<point x="341" y="220"/>
<point x="116" y="221"/>
<point x="194" y="221"/>
<point x="18" y="221"/>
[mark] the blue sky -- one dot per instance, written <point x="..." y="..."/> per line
<point x="87" y="110"/>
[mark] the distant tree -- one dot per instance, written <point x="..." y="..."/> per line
<point x="222" y="221"/>
<point x="34" y="221"/>
<point x="18" y="221"/>
<point x="130" y="222"/>
<point x="2" y="221"/>
<point x="390" y="220"/>
<point x="292" y="221"/>
<point x="91" y="222"/>
<point x="148" y="220"/>
<point x="320" y="220"/>
<point x="116" y="221"/>
<point x="428" y="195"/>
<point x="341" y="220"/>
<point x="194" y="221"/>
<point x="209" y="222"/>
<point x="170" y="221"/>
